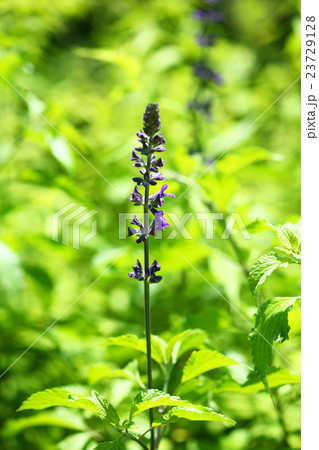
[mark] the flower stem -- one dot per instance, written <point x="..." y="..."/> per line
<point x="147" y="298"/>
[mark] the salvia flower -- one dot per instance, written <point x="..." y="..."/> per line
<point x="144" y="157"/>
<point x="138" y="271"/>
<point x="154" y="267"/>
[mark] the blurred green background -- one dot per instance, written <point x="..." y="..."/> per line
<point x="90" y="68"/>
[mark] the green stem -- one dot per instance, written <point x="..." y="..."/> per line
<point x="147" y="298"/>
<point x="281" y="419"/>
<point x="134" y="438"/>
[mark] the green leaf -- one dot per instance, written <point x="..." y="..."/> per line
<point x="111" y="445"/>
<point x="76" y="441"/>
<point x="264" y="267"/>
<point x="290" y="242"/>
<point x="234" y="162"/>
<point x="183" y="342"/>
<point x="203" y="361"/>
<point x="153" y="397"/>
<point x="275" y="377"/>
<point x="259" y="225"/>
<point x="132" y="341"/>
<point x="105" y="410"/>
<point x="56" y="418"/>
<point x="130" y="371"/>
<point x="271" y="325"/>
<point x="56" y="397"/>
<point x="186" y="413"/>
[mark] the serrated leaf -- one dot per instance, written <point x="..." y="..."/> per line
<point x="183" y="342"/>
<point x="264" y="267"/>
<point x="56" y="397"/>
<point x="111" y="445"/>
<point x="106" y="410"/>
<point x="290" y="242"/>
<point x="188" y="413"/>
<point x="152" y="398"/>
<point x="271" y="325"/>
<point x="130" y="371"/>
<point x="203" y="361"/>
<point x="132" y="341"/>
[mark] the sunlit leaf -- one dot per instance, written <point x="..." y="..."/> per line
<point x="192" y="413"/>
<point x="56" y="397"/>
<point x="130" y="371"/>
<point x="275" y="377"/>
<point x="264" y="267"/>
<point x="56" y="418"/>
<point x="203" y="361"/>
<point x="271" y="325"/>
<point x="183" y="342"/>
<point x="106" y="410"/>
<point x="132" y="341"/>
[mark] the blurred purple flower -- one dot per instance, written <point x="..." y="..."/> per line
<point x="207" y="74"/>
<point x="208" y="16"/>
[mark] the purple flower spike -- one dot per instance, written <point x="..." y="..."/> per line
<point x="151" y="142"/>
<point x="138" y="271"/>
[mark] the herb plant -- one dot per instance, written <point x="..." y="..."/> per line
<point x="164" y="409"/>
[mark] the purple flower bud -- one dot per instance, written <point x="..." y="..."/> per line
<point x="138" y="271"/>
<point x="206" y="41"/>
<point x="139" y="161"/>
<point x="140" y="233"/>
<point x="207" y="74"/>
<point x="143" y="137"/>
<point x="155" y="267"/>
<point x="157" y="143"/>
<point x="136" y="221"/>
<point x="156" y="163"/>
<point x="136" y="197"/>
<point x="156" y="176"/>
<point x="157" y="199"/>
<point x="151" y="120"/>
<point x="158" y="223"/>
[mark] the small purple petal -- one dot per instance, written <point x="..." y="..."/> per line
<point x="136" y="221"/>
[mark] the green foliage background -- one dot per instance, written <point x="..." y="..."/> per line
<point x="90" y="68"/>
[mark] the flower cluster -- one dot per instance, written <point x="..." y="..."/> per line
<point x="144" y="157"/>
<point x="208" y="16"/>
